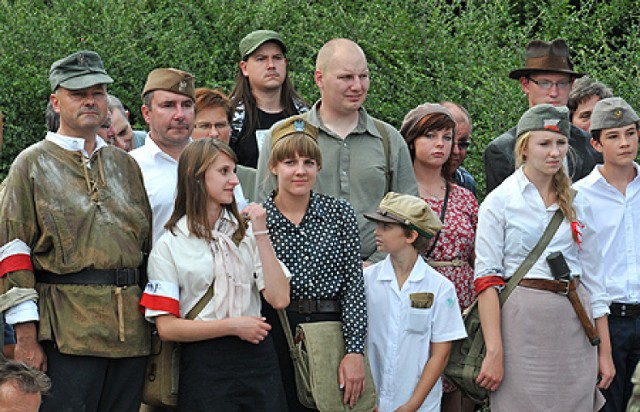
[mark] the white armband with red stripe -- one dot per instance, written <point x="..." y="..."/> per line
<point x="160" y="298"/>
<point x="14" y="256"/>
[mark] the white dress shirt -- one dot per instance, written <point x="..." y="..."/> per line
<point x="618" y="228"/>
<point x="160" y="173"/>
<point x="399" y="339"/>
<point x="512" y="219"/>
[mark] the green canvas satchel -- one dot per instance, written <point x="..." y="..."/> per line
<point x="465" y="360"/>
<point x="316" y="353"/>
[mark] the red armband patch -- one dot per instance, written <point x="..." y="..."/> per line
<point x="485" y="282"/>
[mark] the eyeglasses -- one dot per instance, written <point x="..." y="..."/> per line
<point x="546" y="84"/>
<point x="218" y="126"/>
<point x="464" y="145"/>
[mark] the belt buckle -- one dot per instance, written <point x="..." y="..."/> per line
<point x="567" y="284"/>
<point x="306" y="306"/>
<point x="124" y="277"/>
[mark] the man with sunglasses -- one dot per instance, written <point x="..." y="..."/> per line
<point x="546" y="78"/>
<point x="461" y="147"/>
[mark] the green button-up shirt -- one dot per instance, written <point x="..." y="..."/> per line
<point x="353" y="168"/>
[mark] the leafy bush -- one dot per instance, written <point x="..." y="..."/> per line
<point x="425" y="50"/>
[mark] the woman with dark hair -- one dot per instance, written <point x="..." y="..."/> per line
<point x="228" y="361"/>
<point x="429" y="131"/>
<point x="316" y="236"/>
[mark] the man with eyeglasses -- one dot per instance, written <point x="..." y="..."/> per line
<point x="546" y="78"/>
<point x="461" y="147"/>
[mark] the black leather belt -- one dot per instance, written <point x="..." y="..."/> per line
<point x="115" y="277"/>
<point x="308" y="306"/>
<point x="629" y="310"/>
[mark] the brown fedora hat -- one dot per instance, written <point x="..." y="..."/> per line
<point x="542" y="56"/>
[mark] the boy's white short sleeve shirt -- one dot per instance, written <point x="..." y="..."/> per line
<point x="399" y="337"/>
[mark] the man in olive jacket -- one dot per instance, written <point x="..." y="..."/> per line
<point x="74" y="225"/>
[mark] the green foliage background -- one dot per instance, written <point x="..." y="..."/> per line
<point x="422" y="50"/>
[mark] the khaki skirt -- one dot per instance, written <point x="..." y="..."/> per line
<point x="549" y="364"/>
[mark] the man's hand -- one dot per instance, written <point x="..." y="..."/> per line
<point x="351" y="377"/>
<point x="27" y="349"/>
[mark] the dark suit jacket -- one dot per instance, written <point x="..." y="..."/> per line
<point x="499" y="159"/>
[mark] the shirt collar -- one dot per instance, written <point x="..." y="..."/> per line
<point x="74" y="144"/>
<point x="182" y="226"/>
<point x="417" y="273"/>
<point x="155" y="151"/>
<point x="365" y="122"/>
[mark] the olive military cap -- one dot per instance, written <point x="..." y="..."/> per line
<point x="255" y="39"/>
<point x="407" y="210"/>
<point x="79" y="70"/>
<point x="171" y="80"/>
<point x="611" y="113"/>
<point x="293" y="125"/>
<point x="545" y="117"/>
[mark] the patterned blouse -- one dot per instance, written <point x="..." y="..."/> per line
<point x="323" y="255"/>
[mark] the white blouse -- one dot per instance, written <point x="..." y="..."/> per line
<point x="512" y="219"/>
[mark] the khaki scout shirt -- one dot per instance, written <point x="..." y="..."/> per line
<point x="72" y="218"/>
<point x="353" y="169"/>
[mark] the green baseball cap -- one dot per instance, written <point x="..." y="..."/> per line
<point x="407" y="210"/>
<point x="78" y="71"/>
<point x="612" y="113"/>
<point x="257" y="38"/>
<point x="545" y="117"/>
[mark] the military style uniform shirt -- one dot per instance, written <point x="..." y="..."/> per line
<point x="181" y="271"/>
<point x="512" y="219"/>
<point x="64" y="211"/>
<point x="354" y="169"/>
<point x="618" y="227"/>
<point x="400" y="335"/>
<point x="323" y="254"/>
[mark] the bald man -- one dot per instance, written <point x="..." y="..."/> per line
<point x="464" y="127"/>
<point x="354" y="165"/>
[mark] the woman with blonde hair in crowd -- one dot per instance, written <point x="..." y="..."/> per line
<point x="316" y="236"/>
<point x="538" y="356"/>
<point x="228" y="360"/>
<point x="429" y="131"/>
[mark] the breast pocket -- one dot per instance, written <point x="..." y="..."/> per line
<point x="419" y="320"/>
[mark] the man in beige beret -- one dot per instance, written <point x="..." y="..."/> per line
<point x="75" y="227"/>
<point x="169" y="110"/>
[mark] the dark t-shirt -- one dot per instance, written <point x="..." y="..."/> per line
<point x="247" y="146"/>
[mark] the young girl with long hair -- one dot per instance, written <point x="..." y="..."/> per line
<point x="537" y="354"/>
<point x="228" y="361"/>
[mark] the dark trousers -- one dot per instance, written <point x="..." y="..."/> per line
<point x="282" y="348"/>
<point x="92" y="384"/>
<point x="625" y="348"/>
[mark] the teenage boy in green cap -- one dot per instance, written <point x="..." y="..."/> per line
<point x="262" y="95"/>
<point x="412" y="310"/>
<point x="613" y="190"/>
<point x="75" y="226"/>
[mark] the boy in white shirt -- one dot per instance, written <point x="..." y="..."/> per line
<point x="613" y="190"/>
<point x="412" y="310"/>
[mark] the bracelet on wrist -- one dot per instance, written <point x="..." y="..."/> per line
<point x="260" y="233"/>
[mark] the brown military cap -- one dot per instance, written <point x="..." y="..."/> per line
<point x="546" y="57"/>
<point x="172" y="80"/>
<point x="407" y="210"/>
<point x="293" y="125"/>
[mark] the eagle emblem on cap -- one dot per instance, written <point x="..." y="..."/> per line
<point x="298" y="125"/>
<point x="182" y="86"/>
<point x="81" y="60"/>
<point x="617" y="114"/>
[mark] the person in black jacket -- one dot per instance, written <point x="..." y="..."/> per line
<point x="547" y="77"/>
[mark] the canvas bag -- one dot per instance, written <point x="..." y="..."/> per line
<point x="465" y="360"/>
<point x="316" y="354"/>
<point x="163" y="366"/>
